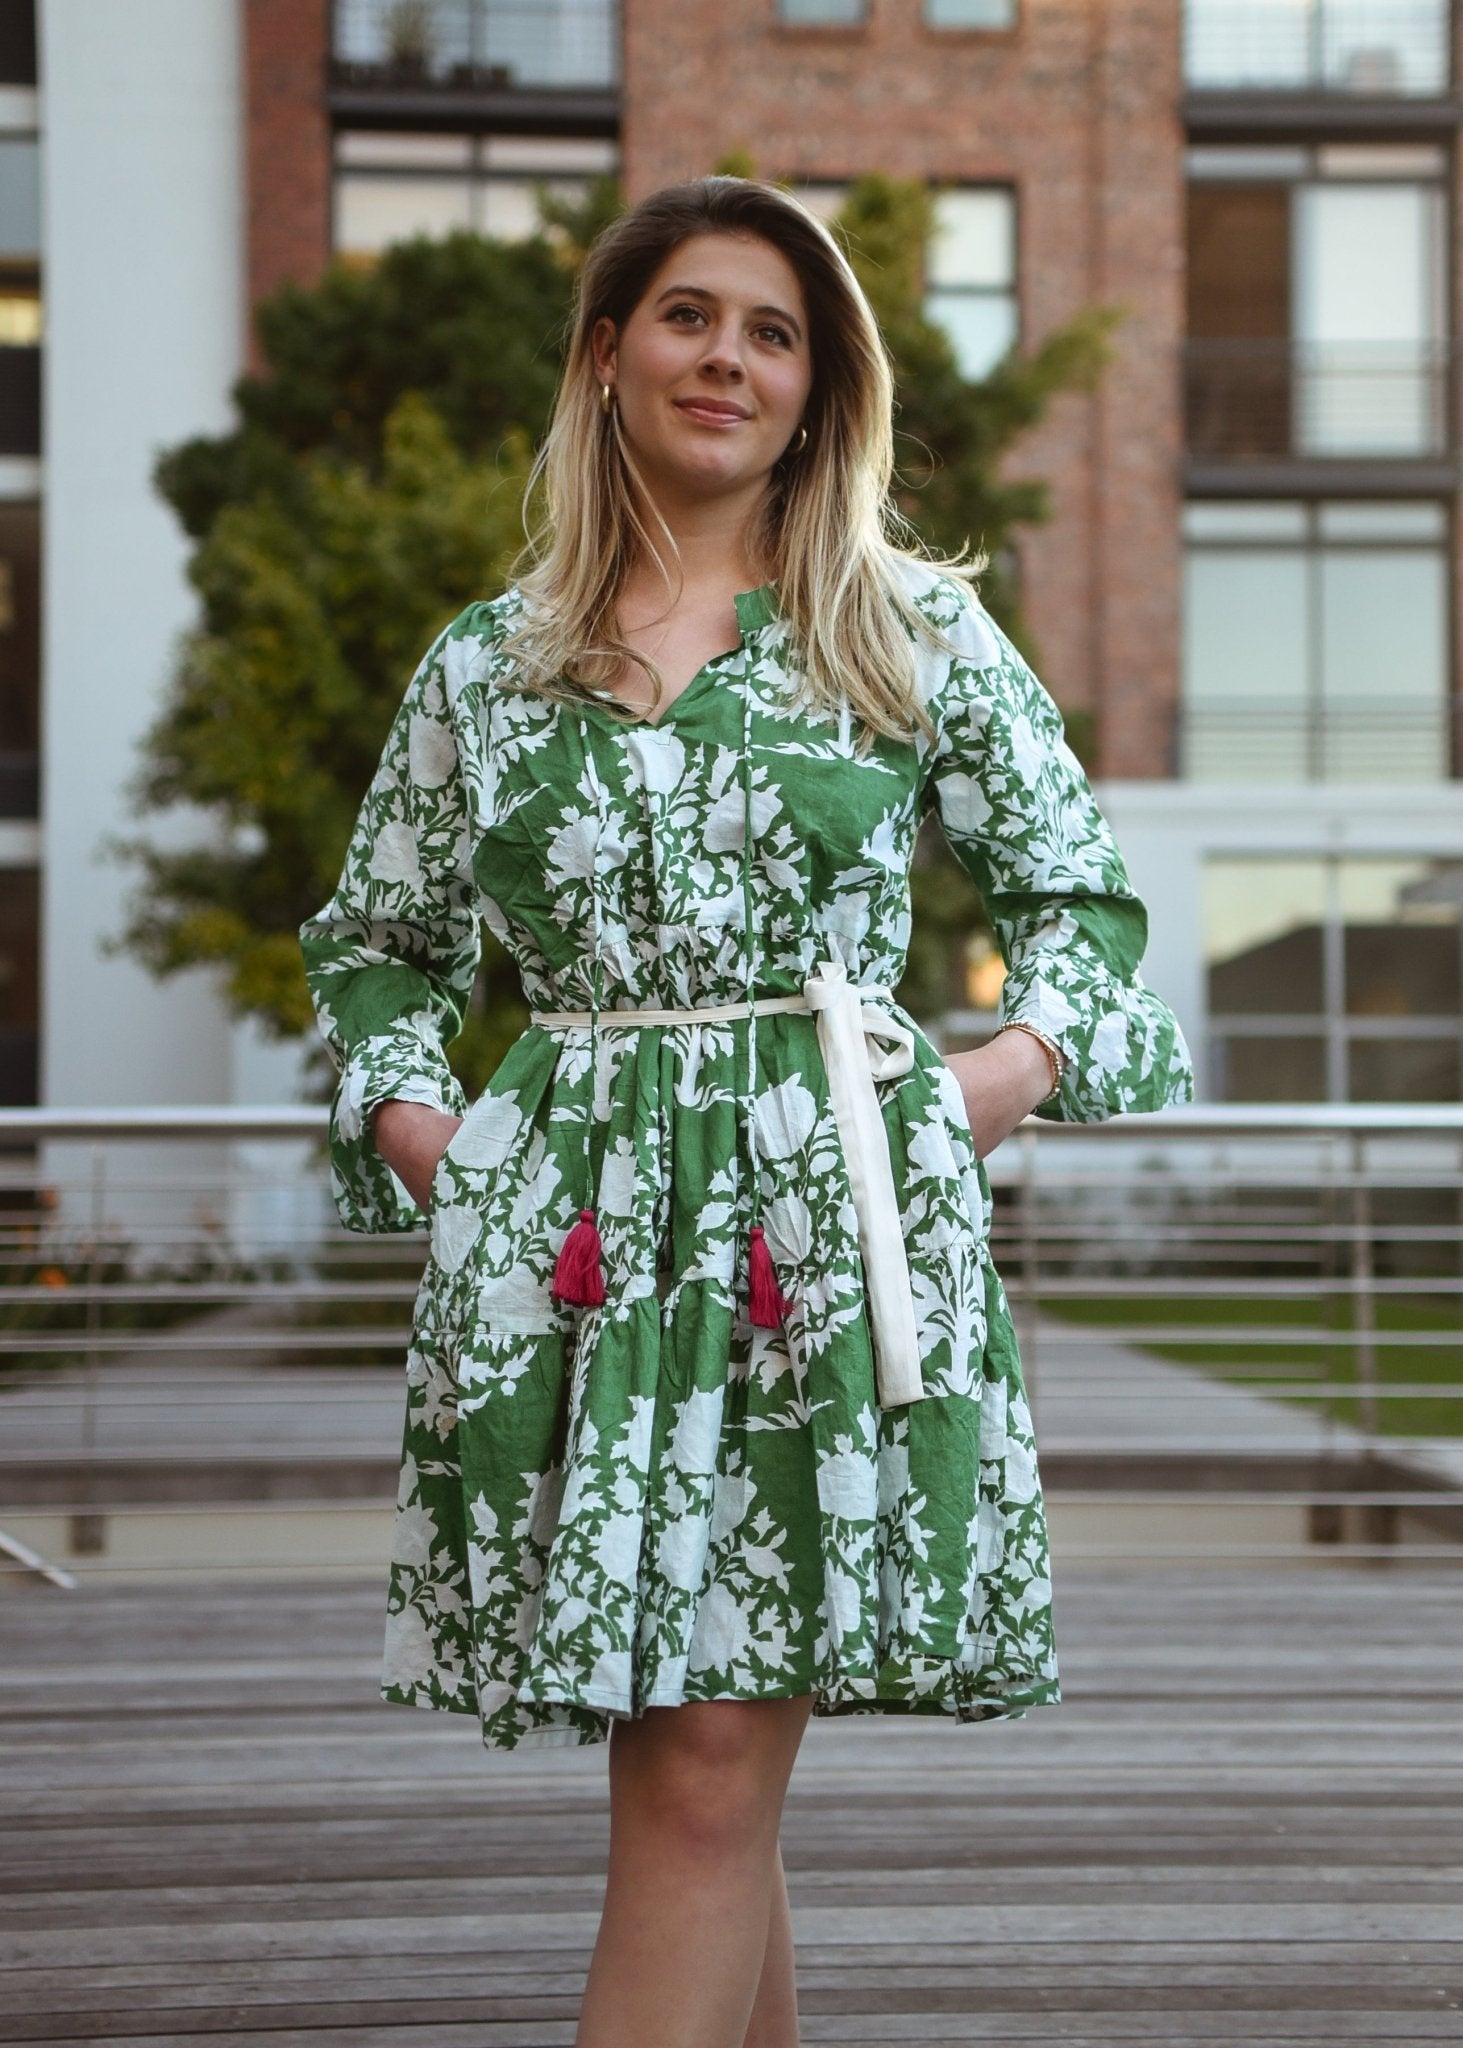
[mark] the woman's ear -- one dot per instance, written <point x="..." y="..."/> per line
<point x="603" y="342"/>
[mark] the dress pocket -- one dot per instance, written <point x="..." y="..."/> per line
<point x="499" y="1194"/>
<point x="495" y="1123"/>
<point x="942" y="1195"/>
<point x="434" y="1190"/>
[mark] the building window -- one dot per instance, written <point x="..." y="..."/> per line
<point x="20" y="657"/>
<point x="1317" y="302"/>
<point x="822" y="13"/>
<point x="970" y="13"/>
<point x="20" y="196"/>
<point x="389" y="187"/>
<point x="1334" y="979"/>
<point x="493" y="44"/>
<point x="1315" y="641"/>
<point x="20" y="358"/>
<point x="19" y="985"/>
<point x="18" y="43"/>
<point x="1363" y="46"/>
<point x="970" y="274"/>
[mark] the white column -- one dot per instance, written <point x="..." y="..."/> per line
<point x="142" y="236"/>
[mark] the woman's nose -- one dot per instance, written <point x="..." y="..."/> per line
<point x="724" y="349"/>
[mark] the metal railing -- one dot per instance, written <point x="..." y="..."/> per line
<point x="1380" y="47"/>
<point x="1254" y="1304"/>
<point x="1249" y="400"/>
<point x="475" y="44"/>
<point x="1261" y="740"/>
<point x="1253" y="1312"/>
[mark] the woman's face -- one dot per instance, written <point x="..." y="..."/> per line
<point x="712" y="369"/>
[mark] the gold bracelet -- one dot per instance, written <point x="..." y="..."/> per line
<point x="1055" y="1058"/>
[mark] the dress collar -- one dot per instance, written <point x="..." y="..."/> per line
<point x="756" y="608"/>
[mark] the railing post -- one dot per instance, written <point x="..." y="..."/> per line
<point x="1364" y="1312"/>
<point x="87" y="1532"/>
<point x="1326" y="1520"/>
<point x="94" y="1303"/>
<point x="1030" y="1276"/>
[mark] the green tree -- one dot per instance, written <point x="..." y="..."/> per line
<point x="373" y="486"/>
<point x="475" y="325"/>
<point x="314" y="608"/>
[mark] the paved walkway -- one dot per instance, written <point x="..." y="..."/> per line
<point x="201" y="1403"/>
<point x="1095" y="1396"/>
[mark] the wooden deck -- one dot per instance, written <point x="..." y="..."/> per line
<point x="1242" y="1826"/>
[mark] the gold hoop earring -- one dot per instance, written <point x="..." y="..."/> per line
<point x="797" y="447"/>
<point x="606" y="398"/>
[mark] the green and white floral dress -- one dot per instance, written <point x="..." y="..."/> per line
<point x="651" y="1499"/>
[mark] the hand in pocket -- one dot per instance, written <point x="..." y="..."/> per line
<point x="412" y="1138"/>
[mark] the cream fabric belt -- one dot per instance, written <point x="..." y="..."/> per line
<point x="860" y="1045"/>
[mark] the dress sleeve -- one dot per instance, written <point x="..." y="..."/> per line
<point x="1021" y="818"/>
<point x="390" y="959"/>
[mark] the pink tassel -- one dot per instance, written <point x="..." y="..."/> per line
<point x="578" y="1271"/>
<point x="766" y="1307"/>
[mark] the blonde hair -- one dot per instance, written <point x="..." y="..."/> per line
<point x="825" y="530"/>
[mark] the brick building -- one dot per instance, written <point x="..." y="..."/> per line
<point x="1252" y="576"/>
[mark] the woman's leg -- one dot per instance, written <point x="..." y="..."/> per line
<point x="696" y="1795"/>
<point x="774" y="2021"/>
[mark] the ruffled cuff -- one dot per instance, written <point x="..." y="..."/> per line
<point x="1123" y="1047"/>
<point x="404" y="1065"/>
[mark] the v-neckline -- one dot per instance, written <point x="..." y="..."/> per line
<point x="754" y="608"/>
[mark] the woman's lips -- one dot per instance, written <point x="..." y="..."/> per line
<point x="712" y="417"/>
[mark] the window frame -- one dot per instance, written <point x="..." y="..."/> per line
<point x="970" y="28"/>
<point x="860" y="21"/>
<point x="1008" y="293"/>
<point x="1334" y="1024"/>
<point x="1313" y="547"/>
<point x="1317" y="77"/>
<point x="475" y="174"/>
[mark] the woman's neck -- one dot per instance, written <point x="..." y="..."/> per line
<point x="711" y="542"/>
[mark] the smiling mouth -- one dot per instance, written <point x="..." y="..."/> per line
<point x="712" y="415"/>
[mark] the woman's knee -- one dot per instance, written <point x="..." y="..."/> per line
<point x="713" y="1772"/>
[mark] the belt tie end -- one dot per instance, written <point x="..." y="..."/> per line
<point x="860" y="1045"/>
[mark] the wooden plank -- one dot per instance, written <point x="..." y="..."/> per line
<point x="883" y="2016"/>
<point x="849" y="1926"/>
<point x="194" y="1893"/>
<point x="821" y="1990"/>
<point x="1038" y="2030"/>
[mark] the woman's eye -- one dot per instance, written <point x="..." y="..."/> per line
<point x="780" y="333"/>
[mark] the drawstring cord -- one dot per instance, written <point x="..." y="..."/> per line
<point x="579" y="1268"/>
<point x="766" y="1306"/>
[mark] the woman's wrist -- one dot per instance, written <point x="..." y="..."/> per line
<point x="1056" y="1060"/>
<point x="1001" y="1081"/>
<point x="1023" y="1066"/>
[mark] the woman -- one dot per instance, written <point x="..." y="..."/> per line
<point x="693" y="1451"/>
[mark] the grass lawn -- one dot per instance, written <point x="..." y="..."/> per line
<point x="1271" y="1344"/>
